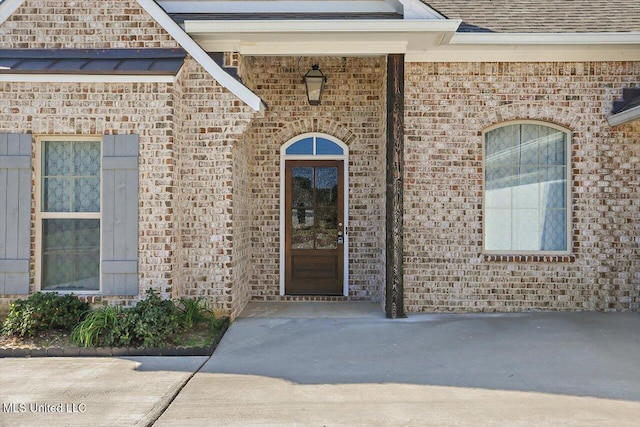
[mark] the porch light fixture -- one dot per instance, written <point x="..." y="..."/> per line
<point x="314" y="80"/>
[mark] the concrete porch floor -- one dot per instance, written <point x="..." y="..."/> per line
<point x="314" y="310"/>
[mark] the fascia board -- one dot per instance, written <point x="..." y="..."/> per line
<point x="7" y="7"/>
<point x="545" y="38"/>
<point x="525" y="53"/>
<point x="194" y="49"/>
<point x="354" y="48"/>
<point x="320" y="26"/>
<point x="624" y="116"/>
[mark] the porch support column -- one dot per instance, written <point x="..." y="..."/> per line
<point x="394" y="303"/>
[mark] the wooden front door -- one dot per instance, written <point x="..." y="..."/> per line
<point x="314" y="229"/>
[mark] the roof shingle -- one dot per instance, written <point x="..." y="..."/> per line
<point x="541" y="16"/>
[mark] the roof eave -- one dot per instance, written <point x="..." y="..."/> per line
<point x="320" y="37"/>
<point x="327" y="26"/>
<point x="7" y="7"/>
<point x="613" y="38"/>
<point x="196" y="51"/>
<point x="625" y="116"/>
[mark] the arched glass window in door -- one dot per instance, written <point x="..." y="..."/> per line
<point x="314" y="146"/>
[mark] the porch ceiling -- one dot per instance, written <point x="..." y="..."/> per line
<point x="320" y="37"/>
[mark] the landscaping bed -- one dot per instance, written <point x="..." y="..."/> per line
<point x="50" y="325"/>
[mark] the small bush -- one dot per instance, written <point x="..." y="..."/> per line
<point x="151" y="323"/>
<point x="43" y="311"/>
<point x="99" y="328"/>
<point x="193" y="311"/>
<point x="154" y="320"/>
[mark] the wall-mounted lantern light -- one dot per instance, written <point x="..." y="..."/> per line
<point x="314" y="80"/>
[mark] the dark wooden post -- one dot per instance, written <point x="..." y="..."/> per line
<point x="394" y="304"/>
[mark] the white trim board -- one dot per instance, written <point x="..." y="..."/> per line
<point x="510" y="39"/>
<point x="7" y="7"/>
<point x="624" y="116"/>
<point x="321" y="37"/>
<point x="525" y="53"/>
<point x="203" y="58"/>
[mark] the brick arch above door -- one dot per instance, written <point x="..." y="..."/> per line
<point x="315" y="125"/>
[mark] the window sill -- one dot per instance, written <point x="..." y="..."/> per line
<point x="529" y="258"/>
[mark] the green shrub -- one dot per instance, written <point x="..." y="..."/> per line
<point x="43" y="311"/>
<point x="99" y="328"/>
<point x="151" y="323"/>
<point x="193" y="311"/>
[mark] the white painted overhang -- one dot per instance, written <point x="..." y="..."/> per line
<point x="320" y="37"/>
<point x="623" y="117"/>
<point x="533" y="47"/>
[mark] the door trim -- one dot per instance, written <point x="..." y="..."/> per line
<point x="345" y="194"/>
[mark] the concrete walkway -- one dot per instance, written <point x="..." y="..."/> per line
<point x="347" y="365"/>
<point x="344" y="364"/>
<point x="56" y="391"/>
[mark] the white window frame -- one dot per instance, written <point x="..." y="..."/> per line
<point x="568" y="195"/>
<point x="345" y="220"/>
<point x="40" y="216"/>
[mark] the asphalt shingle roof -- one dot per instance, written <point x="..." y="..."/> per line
<point x="542" y="16"/>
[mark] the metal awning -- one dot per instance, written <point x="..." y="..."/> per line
<point x="92" y="61"/>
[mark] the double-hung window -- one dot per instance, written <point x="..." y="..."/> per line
<point x="68" y="214"/>
<point x="526" y="189"/>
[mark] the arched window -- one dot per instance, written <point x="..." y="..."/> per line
<point x="314" y="146"/>
<point x="526" y="189"/>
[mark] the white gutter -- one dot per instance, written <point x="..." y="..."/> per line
<point x="624" y="117"/>
<point x="320" y="26"/>
<point x="194" y="49"/>
<point x="545" y="38"/>
<point x="85" y="78"/>
<point x="7" y="7"/>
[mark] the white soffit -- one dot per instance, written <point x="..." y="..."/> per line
<point x="321" y="37"/>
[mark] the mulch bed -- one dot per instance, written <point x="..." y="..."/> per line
<point x="58" y="344"/>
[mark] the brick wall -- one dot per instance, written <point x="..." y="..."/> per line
<point x="82" y="24"/>
<point x="145" y="109"/>
<point x="353" y="108"/>
<point x="242" y="218"/>
<point x="447" y="107"/>
<point x="210" y="122"/>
